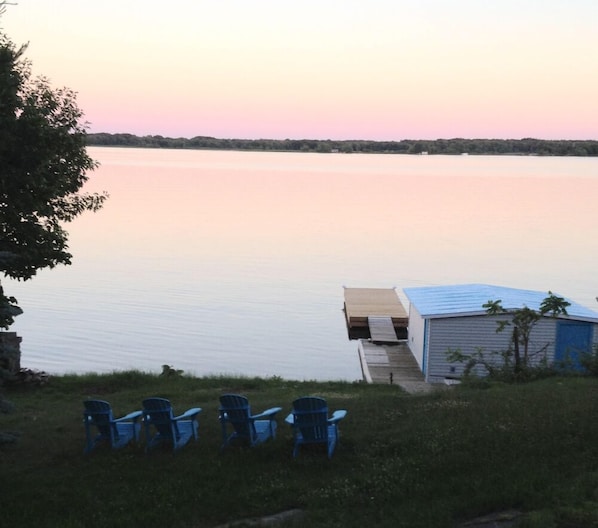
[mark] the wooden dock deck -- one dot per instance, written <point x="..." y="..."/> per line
<point x="391" y="364"/>
<point x="366" y="308"/>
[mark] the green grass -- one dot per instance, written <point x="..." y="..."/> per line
<point x="403" y="460"/>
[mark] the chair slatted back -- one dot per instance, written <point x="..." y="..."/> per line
<point x="99" y="413"/>
<point x="311" y="417"/>
<point x="238" y="413"/>
<point x="158" y="412"/>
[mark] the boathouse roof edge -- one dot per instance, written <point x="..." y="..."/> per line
<point x="468" y="299"/>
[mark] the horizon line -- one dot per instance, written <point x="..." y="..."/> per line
<point x="343" y="140"/>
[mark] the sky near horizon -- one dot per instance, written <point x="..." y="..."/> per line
<point x="331" y="69"/>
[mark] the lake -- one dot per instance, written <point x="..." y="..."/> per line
<point x="223" y="262"/>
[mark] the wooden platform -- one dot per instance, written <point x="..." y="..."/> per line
<point x="391" y="364"/>
<point x="363" y="305"/>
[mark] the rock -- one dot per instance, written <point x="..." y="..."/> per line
<point x="288" y="516"/>
<point x="6" y="406"/>
<point x="8" y="438"/>
<point x="502" y="519"/>
<point x="31" y="377"/>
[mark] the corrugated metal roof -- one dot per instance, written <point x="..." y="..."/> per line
<point x="467" y="299"/>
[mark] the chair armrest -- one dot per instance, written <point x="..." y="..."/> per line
<point x="131" y="416"/>
<point x="290" y="419"/>
<point x="337" y="416"/>
<point x="191" y="413"/>
<point x="266" y="413"/>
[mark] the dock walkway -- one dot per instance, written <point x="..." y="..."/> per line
<point x="377" y="318"/>
<point x="391" y="364"/>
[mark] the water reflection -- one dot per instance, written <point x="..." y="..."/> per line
<point x="234" y="262"/>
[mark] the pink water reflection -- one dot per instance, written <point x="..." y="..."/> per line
<point x="234" y="261"/>
<point x="451" y="211"/>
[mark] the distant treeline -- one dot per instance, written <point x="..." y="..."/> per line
<point x="528" y="146"/>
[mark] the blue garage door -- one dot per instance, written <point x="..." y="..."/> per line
<point x="573" y="338"/>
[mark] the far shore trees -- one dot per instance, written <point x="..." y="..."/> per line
<point x="455" y="146"/>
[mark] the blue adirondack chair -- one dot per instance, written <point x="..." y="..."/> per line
<point x="176" y="430"/>
<point x="311" y="425"/>
<point x="250" y="428"/>
<point x="102" y="427"/>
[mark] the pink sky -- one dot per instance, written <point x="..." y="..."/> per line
<point x="380" y="70"/>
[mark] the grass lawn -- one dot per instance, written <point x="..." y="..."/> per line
<point x="403" y="460"/>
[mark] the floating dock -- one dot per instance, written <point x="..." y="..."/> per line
<point x="377" y="318"/>
<point x="375" y="313"/>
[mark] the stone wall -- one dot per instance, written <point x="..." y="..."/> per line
<point x="10" y="351"/>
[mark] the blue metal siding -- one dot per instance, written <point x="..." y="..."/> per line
<point x="574" y="338"/>
<point x="425" y="350"/>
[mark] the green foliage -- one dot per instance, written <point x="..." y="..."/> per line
<point x="514" y="363"/>
<point x="43" y="164"/>
<point x="411" y="461"/>
<point x="497" y="366"/>
<point x="8" y="309"/>
<point x="554" y="305"/>
<point x="589" y="361"/>
<point x="170" y="371"/>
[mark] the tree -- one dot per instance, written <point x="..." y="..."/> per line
<point x="514" y="362"/>
<point x="43" y="166"/>
<point x="523" y="321"/>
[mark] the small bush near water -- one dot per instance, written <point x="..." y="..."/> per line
<point x="430" y="460"/>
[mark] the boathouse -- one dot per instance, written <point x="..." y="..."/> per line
<point x="453" y="317"/>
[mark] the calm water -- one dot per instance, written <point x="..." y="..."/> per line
<point x="234" y="262"/>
